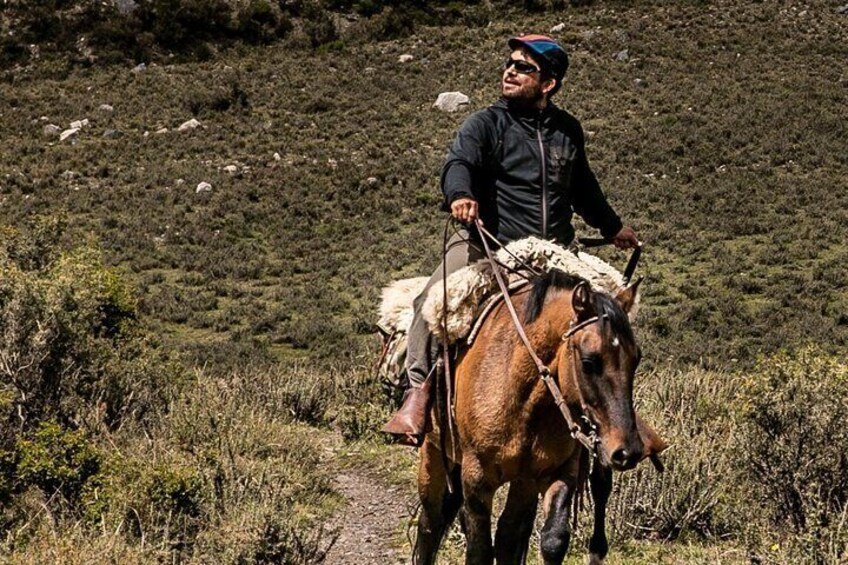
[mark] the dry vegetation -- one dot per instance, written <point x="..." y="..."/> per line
<point x="170" y="358"/>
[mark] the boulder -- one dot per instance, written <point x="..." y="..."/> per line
<point x="622" y="56"/>
<point x="405" y="58"/>
<point x="451" y="101"/>
<point x="105" y="108"/>
<point x="51" y="130"/>
<point x="558" y="28"/>
<point x="232" y="169"/>
<point x="79" y="124"/>
<point x="203" y="187"/>
<point x="189" y="125"/>
<point x="68" y="134"/>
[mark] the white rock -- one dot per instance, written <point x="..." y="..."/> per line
<point x="105" y="108"/>
<point x="79" y="124"/>
<point x="51" y="130"/>
<point x="232" y="169"/>
<point x="68" y="133"/>
<point x="558" y="28"/>
<point x="203" y="187"/>
<point x="372" y="181"/>
<point x="623" y="55"/>
<point x="277" y="157"/>
<point x="139" y="68"/>
<point x="405" y="58"/>
<point x="451" y="101"/>
<point x="160" y="131"/>
<point x="179" y="182"/>
<point x="189" y="125"/>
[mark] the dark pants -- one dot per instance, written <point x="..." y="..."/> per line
<point x="422" y="347"/>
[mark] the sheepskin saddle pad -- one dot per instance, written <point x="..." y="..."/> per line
<point x="469" y="287"/>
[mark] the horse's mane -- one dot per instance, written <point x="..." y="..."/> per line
<point x="604" y="304"/>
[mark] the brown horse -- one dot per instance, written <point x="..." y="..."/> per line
<point x="510" y="430"/>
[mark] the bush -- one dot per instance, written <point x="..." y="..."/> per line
<point x="318" y="25"/>
<point x="58" y="462"/>
<point x="692" y="410"/>
<point x="259" y="23"/>
<point x="70" y="339"/>
<point x="794" y="450"/>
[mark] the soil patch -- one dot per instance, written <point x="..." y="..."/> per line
<point x="373" y="522"/>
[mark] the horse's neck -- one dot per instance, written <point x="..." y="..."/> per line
<point x="559" y="313"/>
<point x="546" y="336"/>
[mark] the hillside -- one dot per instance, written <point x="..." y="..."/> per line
<point x="717" y="129"/>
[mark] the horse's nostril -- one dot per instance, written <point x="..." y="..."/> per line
<point x="620" y="456"/>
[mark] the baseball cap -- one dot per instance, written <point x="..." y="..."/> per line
<point x="545" y="50"/>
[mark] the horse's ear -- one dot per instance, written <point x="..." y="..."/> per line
<point x="581" y="300"/>
<point x="627" y="297"/>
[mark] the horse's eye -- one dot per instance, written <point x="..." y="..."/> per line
<point x="591" y="365"/>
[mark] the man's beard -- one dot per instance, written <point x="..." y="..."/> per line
<point x="528" y="95"/>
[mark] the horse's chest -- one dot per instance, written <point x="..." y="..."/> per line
<point x="534" y="452"/>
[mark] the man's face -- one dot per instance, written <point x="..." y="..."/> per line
<point x="521" y="85"/>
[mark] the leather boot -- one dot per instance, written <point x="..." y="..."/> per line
<point x="411" y="422"/>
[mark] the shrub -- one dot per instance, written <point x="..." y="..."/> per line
<point x="794" y="450"/>
<point x="259" y="23"/>
<point x="318" y="25"/>
<point x="72" y="349"/>
<point x="692" y="410"/>
<point x="58" y="462"/>
<point x="180" y="24"/>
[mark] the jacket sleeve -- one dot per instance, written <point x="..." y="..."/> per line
<point x="587" y="198"/>
<point x="465" y="160"/>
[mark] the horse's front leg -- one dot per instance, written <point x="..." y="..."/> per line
<point x="600" y="482"/>
<point x="438" y="505"/>
<point x="477" y="513"/>
<point x="556" y="533"/>
<point x="516" y="523"/>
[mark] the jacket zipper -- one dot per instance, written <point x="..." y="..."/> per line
<point x="544" y="181"/>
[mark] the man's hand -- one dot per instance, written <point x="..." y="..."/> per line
<point x="626" y="238"/>
<point x="464" y="210"/>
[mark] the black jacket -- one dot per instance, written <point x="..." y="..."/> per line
<point x="528" y="171"/>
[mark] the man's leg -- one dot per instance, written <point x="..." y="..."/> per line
<point x="422" y="347"/>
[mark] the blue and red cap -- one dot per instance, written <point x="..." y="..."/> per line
<point x="547" y="52"/>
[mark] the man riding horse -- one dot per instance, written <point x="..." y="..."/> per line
<point x="519" y="166"/>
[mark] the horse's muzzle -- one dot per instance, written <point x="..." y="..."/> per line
<point x="623" y="459"/>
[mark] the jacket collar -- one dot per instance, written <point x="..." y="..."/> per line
<point x="524" y="113"/>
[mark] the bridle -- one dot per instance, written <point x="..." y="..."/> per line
<point x="589" y="438"/>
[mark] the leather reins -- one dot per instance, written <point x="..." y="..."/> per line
<point x="589" y="441"/>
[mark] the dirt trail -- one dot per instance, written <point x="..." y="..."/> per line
<point x="372" y="522"/>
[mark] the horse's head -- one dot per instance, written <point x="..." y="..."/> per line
<point x="601" y="361"/>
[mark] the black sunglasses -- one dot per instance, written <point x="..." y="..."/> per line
<point x="520" y="66"/>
